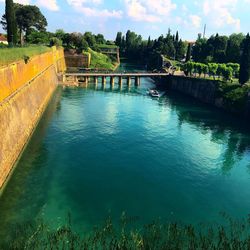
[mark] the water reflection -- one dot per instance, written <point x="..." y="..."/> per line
<point x="34" y="159"/>
<point x="224" y="128"/>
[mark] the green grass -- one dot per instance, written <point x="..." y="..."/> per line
<point x="107" y="46"/>
<point x="10" y="55"/>
<point x="100" y="61"/>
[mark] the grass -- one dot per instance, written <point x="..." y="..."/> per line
<point x="10" y="55"/>
<point x="107" y="46"/>
<point x="100" y="61"/>
<point x="126" y="234"/>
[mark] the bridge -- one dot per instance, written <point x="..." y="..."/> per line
<point x="85" y="77"/>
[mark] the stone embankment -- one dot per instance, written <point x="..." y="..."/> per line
<point x="206" y="91"/>
<point x="25" y="89"/>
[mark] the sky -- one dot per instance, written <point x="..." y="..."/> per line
<point x="145" y="17"/>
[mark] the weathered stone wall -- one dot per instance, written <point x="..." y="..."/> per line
<point x="25" y="92"/>
<point x="202" y="89"/>
<point x="205" y="91"/>
<point x="77" y="61"/>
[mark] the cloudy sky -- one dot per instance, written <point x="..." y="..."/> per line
<point x="147" y="17"/>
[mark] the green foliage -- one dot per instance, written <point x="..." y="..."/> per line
<point x="11" y="24"/>
<point x="235" y="67"/>
<point x="9" y="55"/>
<point x="219" y="49"/>
<point x="54" y="41"/>
<point x="100" y="39"/>
<point x="37" y="37"/>
<point x="28" y="18"/>
<point x="245" y="61"/>
<point x="124" y="234"/>
<point x="221" y="70"/>
<point x="234" y="95"/>
<point x="59" y="34"/>
<point x="118" y="40"/>
<point x="189" y="51"/>
<point x="212" y="68"/>
<point x="228" y="74"/>
<point x="100" y="61"/>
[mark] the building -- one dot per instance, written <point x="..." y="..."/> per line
<point x="3" y="39"/>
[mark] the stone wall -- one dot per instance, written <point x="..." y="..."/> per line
<point x="201" y="89"/>
<point x="25" y="92"/>
<point x="205" y="91"/>
<point x="77" y="61"/>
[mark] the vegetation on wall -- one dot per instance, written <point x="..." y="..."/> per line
<point x="100" y="61"/>
<point x="15" y="54"/>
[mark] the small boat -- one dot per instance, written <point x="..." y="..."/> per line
<point x="154" y="93"/>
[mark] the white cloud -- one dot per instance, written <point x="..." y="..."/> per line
<point x="149" y="10"/>
<point x="195" y="21"/>
<point x="48" y="4"/>
<point x="22" y="1"/>
<point x="221" y="12"/>
<point x="88" y="8"/>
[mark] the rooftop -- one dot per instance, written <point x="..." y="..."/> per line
<point x="3" y="38"/>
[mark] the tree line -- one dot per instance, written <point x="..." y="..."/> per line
<point x="227" y="71"/>
<point x="133" y="47"/>
<point x="222" y="56"/>
<point x="26" y="23"/>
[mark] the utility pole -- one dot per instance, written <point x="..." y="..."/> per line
<point x="204" y="33"/>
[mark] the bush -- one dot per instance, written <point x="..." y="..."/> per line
<point x="54" y="41"/>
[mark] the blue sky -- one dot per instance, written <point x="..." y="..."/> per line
<point x="146" y="17"/>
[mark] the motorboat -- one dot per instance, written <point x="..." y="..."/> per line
<point x="154" y="93"/>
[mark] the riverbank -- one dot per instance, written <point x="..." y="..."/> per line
<point x="230" y="97"/>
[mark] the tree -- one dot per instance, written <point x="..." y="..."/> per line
<point x="10" y="22"/>
<point x="118" y="40"/>
<point x="100" y="39"/>
<point x="90" y="39"/>
<point x="189" y="67"/>
<point x="228" y="74"/>
<point x="235" y="67"/>
<point x="188" y="55"/>
<point x="212" y="68"/>
<point x="245" y="61"/>
<point x="60" y="34"/>
<point x="37" y="37"/>
<point x="54" y="41"/>
<point x="29" y="17"/>
<point x="234" y="47"/>
<point x="204" y="69"/>
<point x="199" y="67"/>
<point x="221" y="69"/>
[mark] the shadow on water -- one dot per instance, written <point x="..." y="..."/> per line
<point x="35" y="154"/>
<point x="223" y="126"/>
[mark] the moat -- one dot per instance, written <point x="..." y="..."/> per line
<point x="99" y="152"/>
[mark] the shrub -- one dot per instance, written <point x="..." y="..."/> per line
<point x="54" y="41"/>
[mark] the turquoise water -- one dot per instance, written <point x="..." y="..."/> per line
<point x="99" y="152"/>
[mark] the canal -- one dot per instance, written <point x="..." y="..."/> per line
<point x="100" y="152"/>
